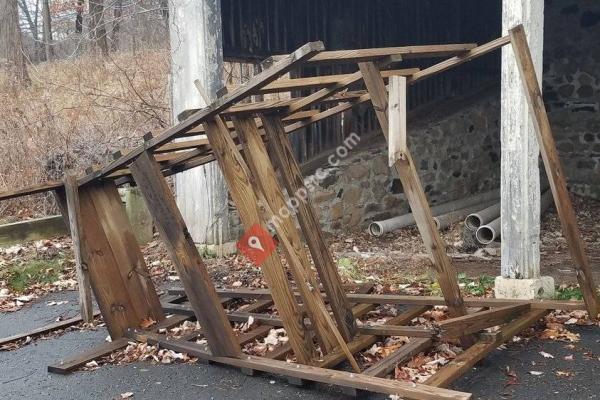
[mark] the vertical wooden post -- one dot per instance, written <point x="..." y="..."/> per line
<point x="294" y="182"/>
<point x="184" y="254"/>
<point x="239" y="181"/>
<point x="71" y="210"/>
<point x="554" y="170"/>
<point x="411" y="183"/>
<point x="282" y="221"/>
<point x="397" y="141"/>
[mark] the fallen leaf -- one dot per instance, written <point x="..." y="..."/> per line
<point x="546" y="355"/>
<point x="126" y="395"/>
<point x="536" y="373"/>
<point x="147" y="323"/>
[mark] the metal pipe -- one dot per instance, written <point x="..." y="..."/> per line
<point x="482" y="217"/>
<point x="378" y="228"/>
<point x="486" y="234"/>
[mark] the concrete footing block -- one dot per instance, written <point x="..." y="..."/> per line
<point x="524" y="289"/>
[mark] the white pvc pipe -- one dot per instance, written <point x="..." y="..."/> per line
<point x="486" y="234"/>
<point x="445" y="220"/>
<point x="378" y="228"/>
<point x="482" y="217"/>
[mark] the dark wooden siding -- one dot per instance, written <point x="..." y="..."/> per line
<point x="253" y="30"/>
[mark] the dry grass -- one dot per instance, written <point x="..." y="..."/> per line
<point x="74" y="115"/>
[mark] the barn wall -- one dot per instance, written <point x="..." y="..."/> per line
<point x="253" y="30"/>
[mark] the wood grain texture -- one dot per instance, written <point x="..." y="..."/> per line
<point x="264" y="174"/>
<point x="185" y="256"/>
<point x="476" y="322"/>
<point x="115" y="265"/>
<point x="554" y="170"/>
<point x="70" y="364"/>
<point x="386" y="365"/>
<point x="413" y="189"/>
<point x="84" y="287"/>
<point x="466" y="360"/>
<point x="406" y="390"/>
<point x="239" y="182"/>
<point x="283" y="157"/>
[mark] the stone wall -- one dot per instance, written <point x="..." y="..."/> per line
<point x="572" y="88"/>
<point x="456" y="153"/>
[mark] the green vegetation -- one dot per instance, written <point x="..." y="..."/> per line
<point x="19" y="278"/>
<point x="350" y="269"/>
<point x="568" y="293"/>
<point x="475" y="287"/>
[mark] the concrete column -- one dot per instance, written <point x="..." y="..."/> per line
<point x="197" y="53"/>
<point x="520" y="175"/>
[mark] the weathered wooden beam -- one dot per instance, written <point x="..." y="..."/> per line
<point x="360" y="55"/>
<point x="554" y="170"/>
<point x="44" y="329"/>
<point x="118" y="274"/>
<point x="466" y="360"/>
<point x="264" y="174"/>
<point x="386" y="365"/>
<point x="473" y="323"/>
<point x="363" y="341"/>
<point x="239" y="182"/>
<point x="71" y="198"/>
<point x="68" y="365"/>
<point x="328" y="376"/>
<point x="184" y="255"/>
<point x="394" y="330"/>
<point x="294" y="183"/>
<point x="264" y="294"/>
<point x="413" y="190"/>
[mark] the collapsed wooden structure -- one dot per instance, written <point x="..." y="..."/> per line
<point x="249" y="140"/>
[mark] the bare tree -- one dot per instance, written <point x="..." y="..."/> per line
<point x="79" y="17"/>
<point x="97" y="26"/>
<point x="11" y="45"/>
<point x="117" y="16"/>
<point x="47" y="33"/>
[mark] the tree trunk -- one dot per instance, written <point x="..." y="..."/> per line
<point x="117" y="16"/>
<point x="97" y="26"/>
<point x="79" y="17"/>
<point x="12" y="59"/>
<point x="47" y="26"/>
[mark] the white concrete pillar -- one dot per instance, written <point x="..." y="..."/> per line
<point x="197" y="53"/>
<point x="520" y="175"/>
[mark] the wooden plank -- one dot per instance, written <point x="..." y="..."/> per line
<point x="406" y="390"/>
<point x="110" y="290"/>
<point x="131" y="266"/>
<point x="386" y="365"/>
<point x="298" y="262"/>
<point x="185" y="256"/>
<point x="363" y="341"/>
<point x="29" y="190"/>
<point x="70" y="364"/>
<point x="170" y="322"/>
<point x="359" y="55"/>
<point x="251" y="87"/>
<point x="397" y="141"/>
<point x="44" y="329"/>
<point x="393" y="330"/>
<point x="259" y="306"/>
<point x="473" y="323"/>
<point x="32" y="229"/>
<point x="466" y="360"/>
<point x="84" y="287"/>
<point x="460" y="59"/>
<point x="238" y="178"/>
<point x="286" y="85"/>
<point x="415" y="195"/>
<point x="287" y="166"/>
<point x="472" y="302"/>
<point x="554" y="170"/>
<point x="256" y="333"/>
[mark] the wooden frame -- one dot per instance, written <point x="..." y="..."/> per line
<point x="234" y="137"/>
